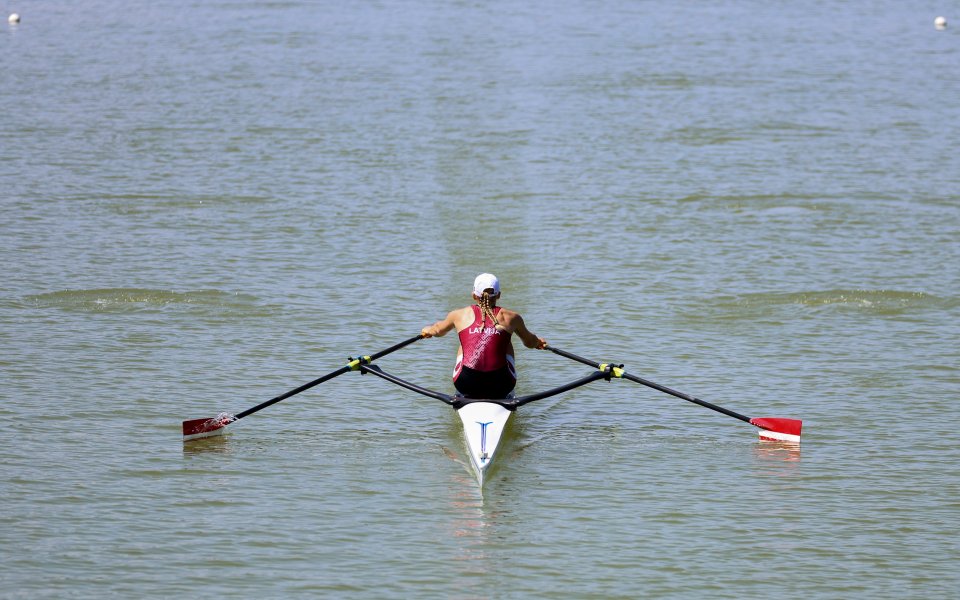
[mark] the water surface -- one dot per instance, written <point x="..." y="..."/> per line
<point x="208" y="204"/>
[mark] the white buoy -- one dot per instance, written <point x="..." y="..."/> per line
<point x="940" y="22"/>
<point x="13" y="19"/>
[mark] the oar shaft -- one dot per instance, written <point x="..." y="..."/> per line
<point x="655" y="386"/>
<point x="686" y="397"/>
<point x="573" y="356"/>
<point x="294" y="392"/>
<point x="396" y="347"/>
<point x="327" y="377"/>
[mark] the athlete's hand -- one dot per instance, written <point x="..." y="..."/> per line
<point x="427" y="332"/>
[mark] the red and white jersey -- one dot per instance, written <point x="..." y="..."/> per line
<point x="485" y="347"/>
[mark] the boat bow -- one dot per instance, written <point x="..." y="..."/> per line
<point x="483" y="425"/>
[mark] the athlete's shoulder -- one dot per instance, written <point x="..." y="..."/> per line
<point x="510" y="317"/>
<point x="462" y="317"/>
<point x="509" y="313"/>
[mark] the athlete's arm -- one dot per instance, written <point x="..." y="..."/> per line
<point x="441" y="328"/>
<point x="526" y="336"/>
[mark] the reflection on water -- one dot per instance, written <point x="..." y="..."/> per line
<point x="773" y="452"/>
<point x="469" y="526"/>
<point x="477" y="514"/>
<point x="455" y="458"/>
<point x="219" y="444"/>
<point x="470" y="521"/>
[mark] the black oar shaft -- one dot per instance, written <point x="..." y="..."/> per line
<point x="396" y="347"/>
<point x="686" y="397"/>
<point x="327" y="377"/>
<point x="573" y="356"/>
<point x="302" y="388"/>
<point x="654" y="385"/>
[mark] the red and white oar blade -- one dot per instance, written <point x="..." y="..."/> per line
<point x="778" y="430"/>
<point x="201" y="428"/>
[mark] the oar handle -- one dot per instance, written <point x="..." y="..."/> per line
<point x="654" y="385"/>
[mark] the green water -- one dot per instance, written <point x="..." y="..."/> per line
<point x="208" y="204"/>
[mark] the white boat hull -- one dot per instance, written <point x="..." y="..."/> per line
<point x="483" y="425"/>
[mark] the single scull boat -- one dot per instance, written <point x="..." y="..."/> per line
<point x="484" y="420"/>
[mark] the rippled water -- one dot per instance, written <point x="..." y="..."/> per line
<point x="208" y="204"/>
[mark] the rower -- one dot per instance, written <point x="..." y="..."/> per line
<point x="485" y="366"/>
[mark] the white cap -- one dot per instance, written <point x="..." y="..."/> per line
<point x="485" y="281"/>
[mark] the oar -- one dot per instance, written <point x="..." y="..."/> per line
<point x="772" y="428"/>
<point x="200" y="428"/>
